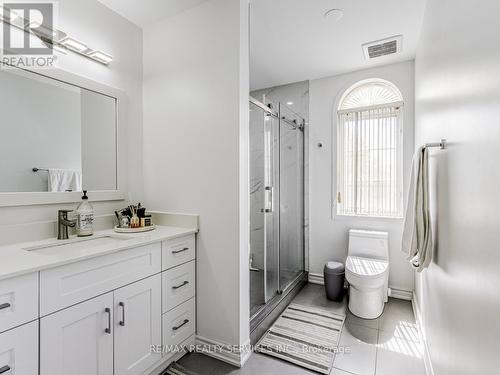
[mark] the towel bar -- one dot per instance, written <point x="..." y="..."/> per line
<point x="441" y="144"/>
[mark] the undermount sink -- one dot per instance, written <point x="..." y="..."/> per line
<point x="76" y="245"/>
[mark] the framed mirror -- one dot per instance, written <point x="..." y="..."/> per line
<point x="59" y="136"/>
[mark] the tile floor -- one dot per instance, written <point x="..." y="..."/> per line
<point x="388" y="345"/>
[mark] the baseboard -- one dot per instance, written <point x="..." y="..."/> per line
<point x="316" y="278"/>
<point x="418" y="317"/>
<point x="234" y="355"/>
<point x="406" y="295"/>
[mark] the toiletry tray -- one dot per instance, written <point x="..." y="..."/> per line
<point x="134" y="230"/>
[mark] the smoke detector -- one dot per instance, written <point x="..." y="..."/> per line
<point x="335" y="14"/>
<point x="383" y="47"/>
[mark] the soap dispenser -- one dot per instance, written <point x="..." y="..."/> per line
<point x="84" y="217"/>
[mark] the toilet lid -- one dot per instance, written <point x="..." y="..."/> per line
<point x="366" y="267"/>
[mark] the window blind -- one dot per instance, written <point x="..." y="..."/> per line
<point x="369" y="161"/>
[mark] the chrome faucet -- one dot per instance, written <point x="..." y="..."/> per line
<point x="63" y="223"/>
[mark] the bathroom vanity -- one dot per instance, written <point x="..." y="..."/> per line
<point x="97" y="305"/>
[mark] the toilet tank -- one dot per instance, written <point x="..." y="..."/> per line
<point x="368" y="244"/>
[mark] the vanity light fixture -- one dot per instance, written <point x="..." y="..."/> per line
<point x="73" y="44"/>
<point x="7" y="15"/>
<point x="57" y="38"/>
<point x="100" y="56"/>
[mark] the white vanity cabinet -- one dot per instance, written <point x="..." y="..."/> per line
<point x="79" y="339"/>
<point x="137" y="325"/>
<point x="19" y="350"/>
<point x="102" y="315"/>
<point x="18" y="301"/>
<point x="19" y="325"/>
<point x="118" y="327"/>
<point x="178" y="288"/>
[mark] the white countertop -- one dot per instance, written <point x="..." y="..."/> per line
<point x="15" y="260"/>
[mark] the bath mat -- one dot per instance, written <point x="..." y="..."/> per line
<point x="176" y="369"/>
<point x="305" y="336"/>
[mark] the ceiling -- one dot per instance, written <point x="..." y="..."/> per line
<point x="291" y="40"/>
<point x="147" y="12"/>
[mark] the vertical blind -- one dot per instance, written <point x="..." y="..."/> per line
<point x="369" y="161"/>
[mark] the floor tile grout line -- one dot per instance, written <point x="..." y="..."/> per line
<point x="362" y="325"/>
<point x="349" y="372"/>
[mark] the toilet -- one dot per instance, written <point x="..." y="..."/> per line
<point x="367" y="271"/>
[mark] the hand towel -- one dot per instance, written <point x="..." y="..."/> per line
<point x="64" y="180"/>
<point x="417" y="234"/>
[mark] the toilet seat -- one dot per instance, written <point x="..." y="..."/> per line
<point x="366" y="272"/>
<point x="366" y="267"/>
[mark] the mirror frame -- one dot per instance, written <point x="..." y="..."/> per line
<point x="11" y="199"/>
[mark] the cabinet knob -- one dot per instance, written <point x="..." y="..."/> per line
<point x="4" y="306"/>
<point x="107" y="310"/>
<point x="180" y="286"/>
<point x="122" y="305"/>
<point x="180" y="251"/>
<point x="186" y="321"/>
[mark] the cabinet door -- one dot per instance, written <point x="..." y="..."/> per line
<point x="78" y="340"/>
<point x="137" y="326"/>
<point x="19" y="350"/>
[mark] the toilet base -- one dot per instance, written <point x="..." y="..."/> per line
<point x="368" y="303"/>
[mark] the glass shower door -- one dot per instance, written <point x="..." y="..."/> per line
<point x="291" y="255"/>
<point x="264" y="200"/>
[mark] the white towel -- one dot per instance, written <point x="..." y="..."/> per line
<point x="65" y="180"/>
<point x="417" y="235"/>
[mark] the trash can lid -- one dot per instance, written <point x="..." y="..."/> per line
<point x="334" y="268"/>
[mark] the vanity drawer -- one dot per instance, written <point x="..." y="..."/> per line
<point x="19" y="350"/>
<point x="179" y="323"/>
<point x="178" y="285"/>
<point x="18" y="301"/>
<point x="177" y="251"/>
<point x="67" y="285"/>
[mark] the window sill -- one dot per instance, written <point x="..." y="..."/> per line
<point x="367" y="217"/>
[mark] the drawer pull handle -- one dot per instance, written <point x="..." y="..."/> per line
<point x="180" y="251"/>
<point x="4" y="369"/>
<point x="180" y="286"/>
<point x="186" y="321"/>
<point x="107" y="310"/>
<point x="4" y="306"/>
<point x="122" y="322"/>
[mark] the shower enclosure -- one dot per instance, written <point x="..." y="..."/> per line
<point x="276" y="201"/>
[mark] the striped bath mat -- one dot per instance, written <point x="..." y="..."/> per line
<point x="305" y="336"/>
<point x="176" y="369"/>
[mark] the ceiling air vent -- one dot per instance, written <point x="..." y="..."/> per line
<point x="383" y="47"/>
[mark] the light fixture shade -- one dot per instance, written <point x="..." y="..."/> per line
<point x="73" y="44"/>
<point x="7" y="15"/>
<point x="100" y="56"/>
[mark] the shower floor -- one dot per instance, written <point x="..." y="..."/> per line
<point x="257" y="296"/>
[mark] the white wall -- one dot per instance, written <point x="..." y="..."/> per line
<point x="103" y="29"/>
<point x="458" y="98"/>
<point x="328" y="234"/>
<point x="196" y="149"/>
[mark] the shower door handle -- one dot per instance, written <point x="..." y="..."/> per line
<point x="268" y="200"/>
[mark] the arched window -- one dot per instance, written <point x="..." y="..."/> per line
<point x="369" y="150"/>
